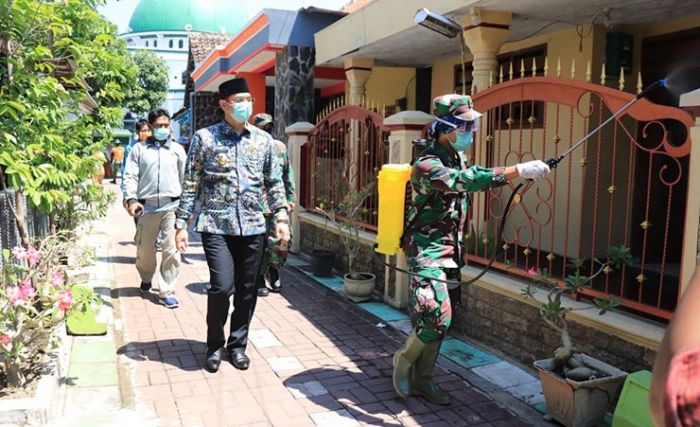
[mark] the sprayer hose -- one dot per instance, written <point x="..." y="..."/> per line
<point x="451" y="284"/>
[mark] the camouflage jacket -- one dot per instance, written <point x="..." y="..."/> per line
<point x="287" y="175"/>
<point x="440" y="182"/>
<point x="228" y="174"/>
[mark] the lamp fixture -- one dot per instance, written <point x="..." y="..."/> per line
<point x="437" y="23"/>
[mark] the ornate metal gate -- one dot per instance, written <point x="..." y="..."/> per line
<point x="345" y="151"/>
<point x="627" y="186"/>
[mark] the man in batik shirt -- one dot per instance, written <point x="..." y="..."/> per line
<point x="230" y="166"/>
<point x="432" y="239"/>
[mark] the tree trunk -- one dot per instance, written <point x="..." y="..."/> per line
<point x="20" y="219"/>
<point x="15" y="376"/>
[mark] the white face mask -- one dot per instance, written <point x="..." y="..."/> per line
<point x="161" y="134"/>
<point x="241" y="111"/>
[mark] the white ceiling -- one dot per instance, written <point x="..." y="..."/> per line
<point x="418" y="46"/>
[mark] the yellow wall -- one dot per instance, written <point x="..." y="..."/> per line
<point x="387" y="84"/>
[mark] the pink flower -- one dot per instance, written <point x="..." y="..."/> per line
<point x="532" y="272"/>
<point x="5" y="339"/>
<point x="27" y="290"/>
<point x="57" y="278"/>
<point x="14" y="294"/>
<point x="33" y="256"/>
<point x="65" y="300"/>
<point x="19" y="253"/>
<point x="6" y="342"/>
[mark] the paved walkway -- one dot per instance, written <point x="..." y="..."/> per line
<point x="316" y="359"/>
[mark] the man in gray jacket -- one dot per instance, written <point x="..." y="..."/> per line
<point x="152" y="191"/>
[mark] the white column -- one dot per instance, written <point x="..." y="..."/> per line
<point x="484" y="34"/>
<point x="357" y="72"/>
<point x="691" y="102"/>
<point x="298" y="135"/>
<point x="405" y="127"/>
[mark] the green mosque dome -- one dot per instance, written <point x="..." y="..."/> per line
<point x="216" y="16"/>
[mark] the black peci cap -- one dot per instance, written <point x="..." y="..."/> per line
<point x="231" y="87"/>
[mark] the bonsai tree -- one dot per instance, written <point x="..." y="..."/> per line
<point x="567" y="362"/>
<point x="347" y="217"/>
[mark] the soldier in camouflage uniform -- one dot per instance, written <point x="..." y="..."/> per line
<point x="432" y="239"/>
<point x="274" y="253"/>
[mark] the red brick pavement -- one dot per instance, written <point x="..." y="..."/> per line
<point x="334" y="349"/>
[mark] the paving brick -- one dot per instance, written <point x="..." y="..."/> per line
<point x="315" y="359"/>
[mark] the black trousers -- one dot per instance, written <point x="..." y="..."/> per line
<point x="233" y="266"/>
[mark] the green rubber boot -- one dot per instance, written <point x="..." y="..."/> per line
<point x="423" y="384"/>
<point x="404" y="359"/>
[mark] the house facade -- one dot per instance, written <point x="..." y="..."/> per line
<point x="544" y="76"/>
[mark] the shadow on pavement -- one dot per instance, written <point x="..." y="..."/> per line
<point x="130" y="260"/>
<point x="199" y="288"/>
<point x="349" y="393"/>
<point x="184" y="354"/>
<point x="135" y="292"/>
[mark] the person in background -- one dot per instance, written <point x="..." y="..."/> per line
<point x="230" y="165"/>
<point x="152" y="191"/>
<point x="107" y="165"/>
<point x="117" y="161"/>
<point x="143" y="131"/>
<point x="274" y="254"/>
<point x="674" y="394"/>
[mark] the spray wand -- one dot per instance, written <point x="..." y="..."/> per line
<point x="552" y="163"/>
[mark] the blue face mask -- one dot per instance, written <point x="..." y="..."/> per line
<point x="161" y="134"/>
<point x="241" y="111"/>
<point x="463" y="141"/>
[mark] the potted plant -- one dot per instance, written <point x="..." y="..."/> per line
<point x="346" y="216"/>
<point x="578" y="388"/>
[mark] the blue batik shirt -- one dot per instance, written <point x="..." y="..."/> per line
<point x="228" y="173"/>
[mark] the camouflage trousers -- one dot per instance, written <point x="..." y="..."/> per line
<point x="431" y="301"/>
<point x="274" y="255"/>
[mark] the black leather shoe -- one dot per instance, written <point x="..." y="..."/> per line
<point x="275" y="283"/>
<point x="214" y="360"/>
<point x="239" y="359"/>
<point x="263" y="292"/>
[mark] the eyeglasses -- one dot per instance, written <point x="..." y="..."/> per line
<point x="467" y="127"/>
<point x="240" y="99"/>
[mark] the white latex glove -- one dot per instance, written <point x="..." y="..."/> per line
<point x="533" y="169"/>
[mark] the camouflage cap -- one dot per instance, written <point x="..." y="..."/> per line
<point x="262" y="119"/>
<point x="447" y="104"/>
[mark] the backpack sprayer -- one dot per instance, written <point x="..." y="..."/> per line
<point x="392" y="188"/>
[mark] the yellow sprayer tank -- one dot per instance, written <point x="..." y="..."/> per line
<point x="392" y="194"/>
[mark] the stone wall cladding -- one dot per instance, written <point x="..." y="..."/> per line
<point x="516" y="329"/>
<point x="206" y="110"/>
<point x="294" y="88"/>
<point x="508" y="325"/>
